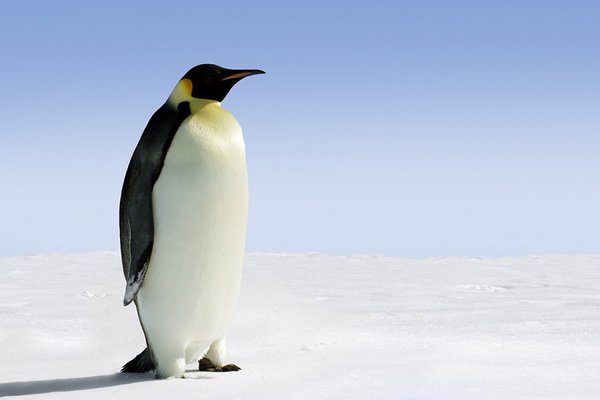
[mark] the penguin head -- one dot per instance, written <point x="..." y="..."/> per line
<point x="211" y="82"/>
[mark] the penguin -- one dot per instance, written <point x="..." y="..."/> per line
<point x="182" y="222"/>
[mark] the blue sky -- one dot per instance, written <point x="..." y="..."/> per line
<point x="415" y="129"/>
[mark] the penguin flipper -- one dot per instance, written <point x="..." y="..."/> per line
<point x="141" y="363"/>
<point x="136" y="221"/>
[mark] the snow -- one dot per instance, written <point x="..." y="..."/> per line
<point x="311" y="326"/>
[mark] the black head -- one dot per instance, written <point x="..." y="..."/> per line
<point x="212" y="82"/>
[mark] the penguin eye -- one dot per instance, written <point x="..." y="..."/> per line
<point x="207" y="80"/>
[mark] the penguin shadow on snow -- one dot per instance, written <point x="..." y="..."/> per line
<point x="26" y="388"/>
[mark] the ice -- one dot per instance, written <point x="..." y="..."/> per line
<point x="311" y="326"/>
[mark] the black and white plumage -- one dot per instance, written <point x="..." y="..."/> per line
<point x="182" y="224"/>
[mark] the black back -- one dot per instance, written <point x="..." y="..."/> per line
<point x="136" y="221"/>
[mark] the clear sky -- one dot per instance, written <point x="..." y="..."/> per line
<point x="405" y="128"/>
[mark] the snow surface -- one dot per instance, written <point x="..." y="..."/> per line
<point x="319" y="327"/>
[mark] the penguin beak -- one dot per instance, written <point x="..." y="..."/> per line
<point x="238" y="74"/>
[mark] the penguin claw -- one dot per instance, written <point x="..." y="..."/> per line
<point x="228" y="368"/>
<point x="206" y="365"/>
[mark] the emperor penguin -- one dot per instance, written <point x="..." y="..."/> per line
<point x="182" y="222"/>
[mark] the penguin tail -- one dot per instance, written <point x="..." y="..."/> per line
<point x="141" y="363"/>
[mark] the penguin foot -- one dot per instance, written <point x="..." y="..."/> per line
<point x="206" y="365"/>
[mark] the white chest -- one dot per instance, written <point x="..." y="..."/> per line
<point x="204" y="173"/>
<point x="200" y="204"/>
